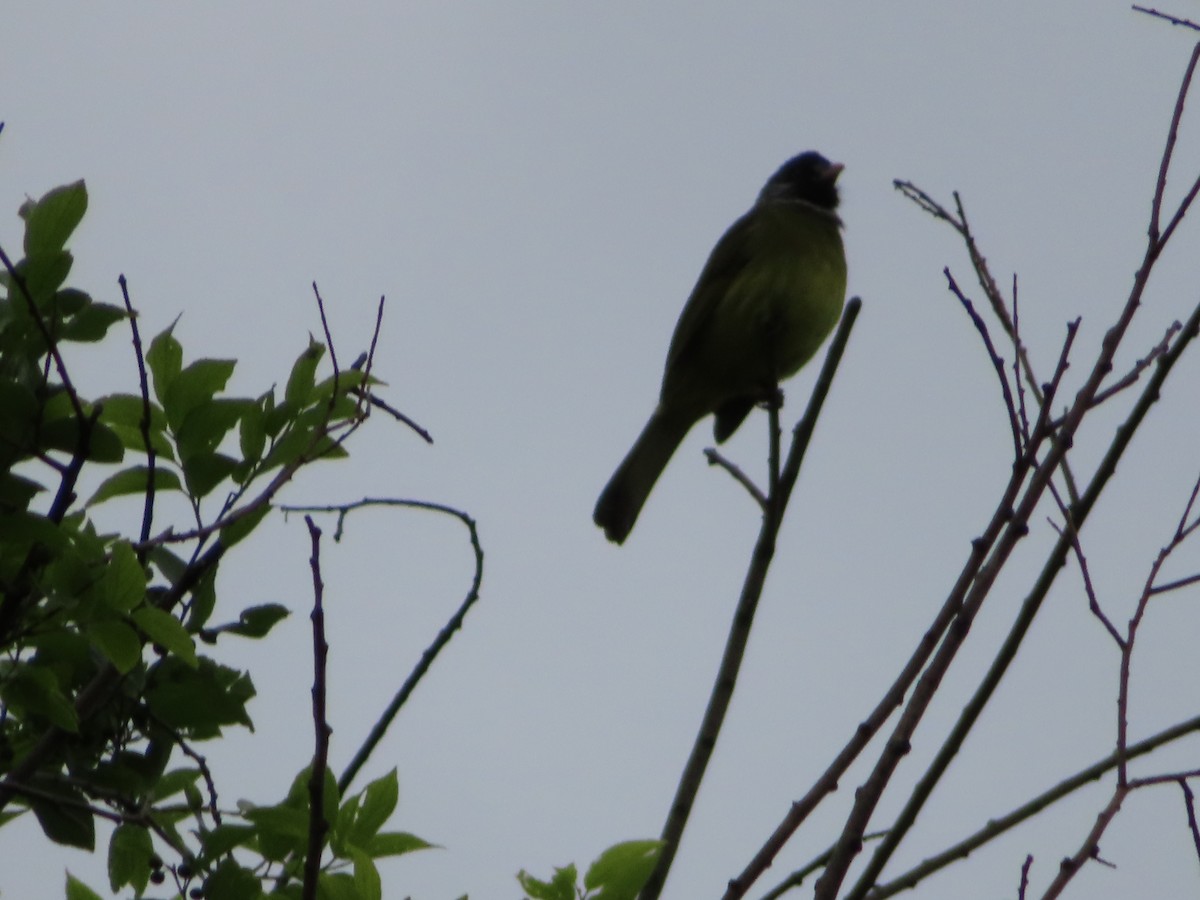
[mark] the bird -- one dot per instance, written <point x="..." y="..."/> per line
<point x="767" y="298"/>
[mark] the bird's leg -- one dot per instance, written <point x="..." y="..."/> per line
<point x="772" y="398"/>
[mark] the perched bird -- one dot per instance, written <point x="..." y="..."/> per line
<point x="767" y="298"/>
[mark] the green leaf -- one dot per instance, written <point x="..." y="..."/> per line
<point x="303" y="376"/>
<point x="302" y="437"/>
<point x="175" y="781"/>
<point x="220" y="840"/>
<point x="117" y="641"/>
<point x="257" y="621"/>
<point x="91" y="324"/>
<point x="50" y="221"/>
<point x="64" y="817"/>
<point x="206" y="425"/>
<point x="342" y="825"/>
<point x="71" y="302"/>
<point x="282" y="830"/>
<point x="65" y="652"/>
<point x="166" y="631"/>
<point x="232" y="882"/>
<point x="201" y="700"/>
<point x="198" y="383"/>
<point x="165" y="358"/>
<point x="19" y="408"/>
<point x="134" y="481"/>
<point x="395" y="843"/>
<point x="128" y="409"/>
<point x="378" y="803"/>
<point x="560" y="887"/>
<point x="35" y="690"/>
<point x="131" y="438"/>
<point x="252" y="435"/>
<point x="204" y="600"/>
<point x="64" y="433"/>
<point x="168" y="563"/>
<point x="16" y="491"/>
<point x="621" y="871"/>
<point x="123" y="414"/>
<point x="366" y="877"/>
<point x="344" y="382"/>
<point x="43" y="275"/>
<point x="122" y="584"/>
<point x="129" y="852"/>
<point x="77" y="890"/>
<point x="244" y="525"/>
<point x="20" y="530"/>
<point x="205" y="471"/>
<point x="290" y="445"/>
<point x="336" y="886"/>
<point x="275" y="417"/>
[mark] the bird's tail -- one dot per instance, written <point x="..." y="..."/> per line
<point x="626" y="492"/>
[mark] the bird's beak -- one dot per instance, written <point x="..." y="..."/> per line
<point x="832" y="173"/>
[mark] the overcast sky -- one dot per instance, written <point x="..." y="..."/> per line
<point x="534" y="187"/>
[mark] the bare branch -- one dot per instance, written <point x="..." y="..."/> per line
<point x="997" y="363"/>
<point x="1158" y="241"/>
<point x="715" y="458"/>
<point x="1174" y="20"/>
<point x="1073" y="535"/>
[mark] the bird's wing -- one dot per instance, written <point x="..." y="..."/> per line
<point x="728" y="258"/>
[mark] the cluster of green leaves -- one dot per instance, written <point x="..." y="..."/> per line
<point x="619" y="873"/>
<point x="103" y="687"/>
<point x="277" y="835"/>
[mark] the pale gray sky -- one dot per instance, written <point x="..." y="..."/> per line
<point x="535" y="186"/>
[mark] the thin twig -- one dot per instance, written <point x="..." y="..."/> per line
<point x="1158" y="241"/>
<point x="318" y="825"/>
<point x="1018" y="381"/>
<point x="1068" y="528"/>
<point x="205" y="772"/>
<point x="333" y="360"/>
<point x="997" y="362"/>
<point x="988" y="284"/>
<point x="715" y="458"/>
<point x="1024" y="885"/>
<point x="1140" y="366"/>
<point x="439" y="642"/>
<point x="1174" y="20"/>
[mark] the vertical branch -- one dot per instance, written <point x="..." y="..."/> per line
<point x="739" y="633"/>
<point x="318" y="826"/>
<point x="144" y="424"/>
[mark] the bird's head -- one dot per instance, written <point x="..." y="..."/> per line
<point x="809" y="177"/>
